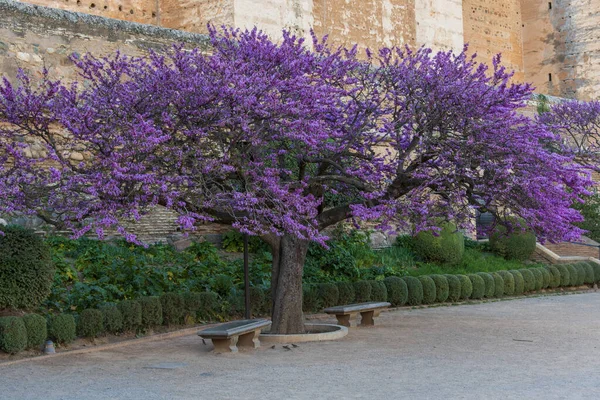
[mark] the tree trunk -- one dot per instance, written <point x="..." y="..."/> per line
<point x="289" y="254"/>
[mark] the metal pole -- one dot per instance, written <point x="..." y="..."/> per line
<point x="246" y="279"/>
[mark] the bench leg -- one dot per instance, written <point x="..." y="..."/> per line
<point x="226" y="345"/>
<point x="348" y="320"/>
<point x="250" y="339"/>
<point x="366" y="318"/>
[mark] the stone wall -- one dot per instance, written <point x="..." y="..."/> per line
<point x="439" y="24"/>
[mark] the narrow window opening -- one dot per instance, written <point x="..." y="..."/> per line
<point x="549" y="77"/>
<point x="92" y="5"/>
<point x="120" y="8"/>
<point x="549" y="5"/>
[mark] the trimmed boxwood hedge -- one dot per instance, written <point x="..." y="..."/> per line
<point x="112" y="318"/>
<point x="498" y="284"/>
<point x="589" y="273"/>
<point x="429" y="294"/>
<point x="13" y="335"/>
<point x="454" y="287"/>
<point x="573" y="275"/>
<point x="519" y="283"/>
<point x="310" y="298"/>
<point x="329" y="294"/>
<point x="61" y="328"/>
<point x="490" y="286"/>
<point x="528" y="280"/>
<point x="441" y="288"/>
<point x="538" y="278"/>
<point x="132" y="314"/>
<point x="513" y="246"/>
<point x="257" y="301"/>
<point x="581" y="272"/>
<point x="362" y="291"/>
<point x="396" y="289"/>
<point x="90" y="323"/>
<point x="478" y="286"/>
<point x="378" y="291"/>
<point x="173" y="308"/>
<point x="37" y="330"/>
<point x="447" y="246"/>
<point x="466" y="287"/>
<point x="346" y="292"/>
<point x="415" y="290"/>
<point x="546" y="277"/>
<point x="509" y="282"/>
<point x="596" y="268"/>
<point x="152" y="309"/>
<point x="210" y="304"/>
<point x="565" y="275"/>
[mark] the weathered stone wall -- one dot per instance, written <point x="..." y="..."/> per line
<point x="439" y="24"/>
<point x="194" y="15"/>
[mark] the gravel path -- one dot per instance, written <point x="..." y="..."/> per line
<point x="531" y="348"/>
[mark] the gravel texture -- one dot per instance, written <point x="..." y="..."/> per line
<point x="531" y="348"/>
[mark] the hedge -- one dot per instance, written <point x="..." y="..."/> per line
<point x="528" y="280"/>
<point x="454" y="287"/>
<point x="555" y="276"/>
<point x="258" y="299"/>
<point x="596" y="268"/>
<point x="509" y="282"/>
<point x="589" y="273"/>
<point x="346" y="292"/>
<point x="152" y="314"/>
<point x="441" y="288"/>
<point x="573" y="275"/>
<point x="362" y="291"/>
<point x="519" y="282"/>
<point x="490" y="285"/>
<point x="415" y="290"/>
<point x="538" y="278"/>
<point x="310" y="298"/>
<point x="37" y="330"/>
<point x="478" y="286"/>
<point x="378" y="291"/>
<point x="466" y="287"/>
<point x="513" y="246"/>
<point x="112" y="318"/>
<point x="329" y="294"/>
<point x="172" y="308"/>
<point x="498" y="284"/>
<point x="13" y="335"/>
<point x="581" y="273"/>
<point x="62" y="328"/>
<point x="210" y="304"/>
<point x="546" y="277"/>
<point x="396" y="289"/>
<point x="132" y="314"/>
<point x="429" y="294"/>
<point x="90" y="323"/>
<point x="447" y="247"/>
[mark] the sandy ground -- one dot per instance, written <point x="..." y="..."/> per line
<point x="531" y="348"/>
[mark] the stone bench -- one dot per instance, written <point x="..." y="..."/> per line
<point x="228" y="336"/>
<point x="347" y="315"/>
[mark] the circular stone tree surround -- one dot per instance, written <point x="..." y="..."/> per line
<point x="315" y="333"/>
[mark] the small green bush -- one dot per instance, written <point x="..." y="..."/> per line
<point x="172" y="308"/>
<point x="555" y="276"/>
<point x="528" y="280"/>
<point x="362" y="291"/>
<point x="454" y="288"/>
<point x="466" y="287"/>
<point x="519" y="282"/>
<point x="490" y="286"/>
<point x="346" y="293"/>
<point x="90" y="323"/>
<point x="546" y="277"/>
<point x="257" y="301"/>
<point x="448" y="247"/>
<point x="268" y="304"/>
<point x="132" y="314"/>
<point x="589" y="273"/>
<point x="415" y="290"/>
<point x="441" y="288"/>
<point x="209" y="305"/>
<point x="538" y="278"/>
<point x="581" y="273"/>
<point x="222" y="285"/>
<point x="152" y="309"/>
<point x="310" y="298"/>
<point x="329" y="294"/>
<point x="26" y="269"/>
<point x="236" y="303"/>
<point x="478" y="286"/>
<point x="378" y="291"/>
<point x="112" y="318"/>
<point x="573" y="275"/>
<point x="498" y="284"/>
<point x="62" y="328"/>
<point x="509" y="282"/>
<point x="596" y="268"/>
<point x="37" y="330"/>
<point x="513" y="246"/>
<point x="13" y="335"/>
<point x="565" y="275"/>
<point x="397" y="290"/>
<point x="429" y="294"/>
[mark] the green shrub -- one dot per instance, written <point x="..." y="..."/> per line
<point x="538" y="278"/>
<point x="310" y="298"/>
<point x="112" y="318"/>
<point x="498" y="284"/>
<point x="429" y="294"/>
<point x="513" y="246"/>
<point x="519" y="282"/>
<point x="509" y="282"/>
<point x="378" y="291"/>
<point x="329" y="294"/>
<point x="555" y="276"/>
<point x="257" y="301"/>
<point x="466" y="287"/>
<point x="565" y="275"/>
<point x="209" y="305"/>
<point x="236" y="303"/>
<point x="573" y="275"/>
<point x="268" y="303"/>
<point x="13" y="335"/>
<point x="589" y="273"/>
<point x="454" y="288"/>
<point x="172" y="308"/>
<point x="546" y="277"/>
<point x="26" y="269"/>
<point x="441" y="288"/>
<point x="415" y="290"/>
<point x="581" y="273"/>
<point x="222" y="285"/>
<point x="478" y="286"/>
<point x="61" y="328"/>
<point x="346" y="293"/>
<point x="362" y="291"/>
<point x="90" y="323"/>
<point x="490" y="286"/>
<point x="596" y="268"/>
<point x="131" y="312"/>
<point x="397" y="290"/>
<point x="152" y="309"/>
<point x="448" y="247"/>
<point x="528" y="280"/>
<point x="37" y="330"/>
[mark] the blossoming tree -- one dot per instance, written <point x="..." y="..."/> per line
<point x="282" y="142"/>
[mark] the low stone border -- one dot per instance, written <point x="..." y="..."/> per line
<point x="321" y="332"/>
